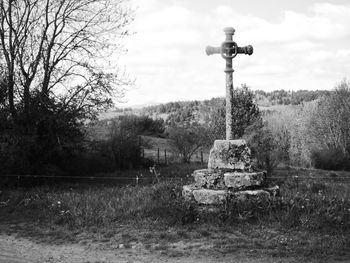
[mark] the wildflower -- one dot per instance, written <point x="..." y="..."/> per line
<point x="3" y="204"/>
<point x="64" y="212"/>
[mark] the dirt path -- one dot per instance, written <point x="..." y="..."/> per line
<point x="21" y="250"/>
<point x="13" y="250"/>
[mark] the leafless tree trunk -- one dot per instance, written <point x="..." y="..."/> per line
<point x="59" y="49"/>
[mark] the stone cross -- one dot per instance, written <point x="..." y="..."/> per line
<point x="228" y="50"/>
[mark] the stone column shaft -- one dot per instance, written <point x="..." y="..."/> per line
<point x="229" y="85"/>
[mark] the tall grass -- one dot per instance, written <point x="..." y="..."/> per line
<point x="306" y="203"/>
<point x="95" y="206"/>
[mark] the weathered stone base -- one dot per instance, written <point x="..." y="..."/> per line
<point x="218" y="197"/>
<point x="248" y="194"/>
<point x="210" y="197"/>
<point x="244" y="180"/>
<point x="230" y="155"/>
<point x="229" y="177"/>
<point x="219" y="179"/>
<point x="209" y="179"/>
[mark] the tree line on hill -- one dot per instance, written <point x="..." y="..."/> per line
<point x="262" y="98"/>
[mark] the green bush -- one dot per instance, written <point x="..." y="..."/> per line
<point x="244" y="112"/>
<point x="263" y="145"/>
<point x="125" y="144"/>
<point x="332" y="159"/>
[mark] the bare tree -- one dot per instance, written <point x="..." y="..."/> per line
<point x="59" y="49"/>
<point x="57" y="68"/>
<point x="187" y="140"/>
<point x="330" y="122"/>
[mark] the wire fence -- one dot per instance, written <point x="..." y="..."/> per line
<point x="137" y="179"/>
<point x="168" y="156"/>
<point x="140" y="177"/>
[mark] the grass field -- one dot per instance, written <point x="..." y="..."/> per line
<point x="167" y="154"/>
<point x="309" y="221"/>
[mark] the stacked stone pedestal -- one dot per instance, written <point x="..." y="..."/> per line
<point x="229" y="175"/>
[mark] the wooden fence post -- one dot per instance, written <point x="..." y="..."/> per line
<point x="165" y="159"/>
<point x="158" y="156"/>
<point x="202" y="158"/>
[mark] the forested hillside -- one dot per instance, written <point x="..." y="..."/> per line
<point x="200" y="111"/>
<point x="189" y="112"/>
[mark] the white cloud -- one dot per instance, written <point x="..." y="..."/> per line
<point x="223" y="10"/>
<point x="301" y="45"/>
<point x="319" y="56"/>
<point x="302" y="51"/>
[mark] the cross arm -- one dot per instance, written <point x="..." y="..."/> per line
<point x="248" y="50"/>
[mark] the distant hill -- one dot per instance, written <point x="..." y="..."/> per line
<point x="262" y="98"/>
<point x="200" y="111"/>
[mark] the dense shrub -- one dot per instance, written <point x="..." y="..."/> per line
<point x="332" y="159"/>
<point x="88" y="164"/>
<point x="187" y="140"/>
<point x="143" y="125"/>
<point x="40" y="137"/>
<point x="244" y="112"/>
<point x="263" y="145"/>
<point x="125" y="144"/>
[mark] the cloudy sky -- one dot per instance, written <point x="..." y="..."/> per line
<point x="299" y="44"/>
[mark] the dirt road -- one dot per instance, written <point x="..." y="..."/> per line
<point x="21" y="250"/>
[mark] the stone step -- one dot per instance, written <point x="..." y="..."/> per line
<point x="244" y="180"/>
<point x="217" y="197"/>
<point x="205" y="178"/>
<point x="230" y="154"/>
<point x="247" y="194"/>
<point x="218" y="179"/>
<point x="210" y="197"/>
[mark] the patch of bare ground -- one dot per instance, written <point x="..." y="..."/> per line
<point x="24" y="242"/>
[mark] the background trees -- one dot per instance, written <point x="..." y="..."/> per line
<point x="53" y="57"/>
<point x="244" y="113"/>
<point x="312" y="134"/>
<point x="264" y="147"/>
<point x="187" y="140"/>
<point x="56" y="49"/>
<point x="125" y="141"/>
<point x="316" y="133"/>
<point x="329" y="129"/>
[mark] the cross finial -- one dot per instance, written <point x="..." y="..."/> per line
<point x="229" y="31"/>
